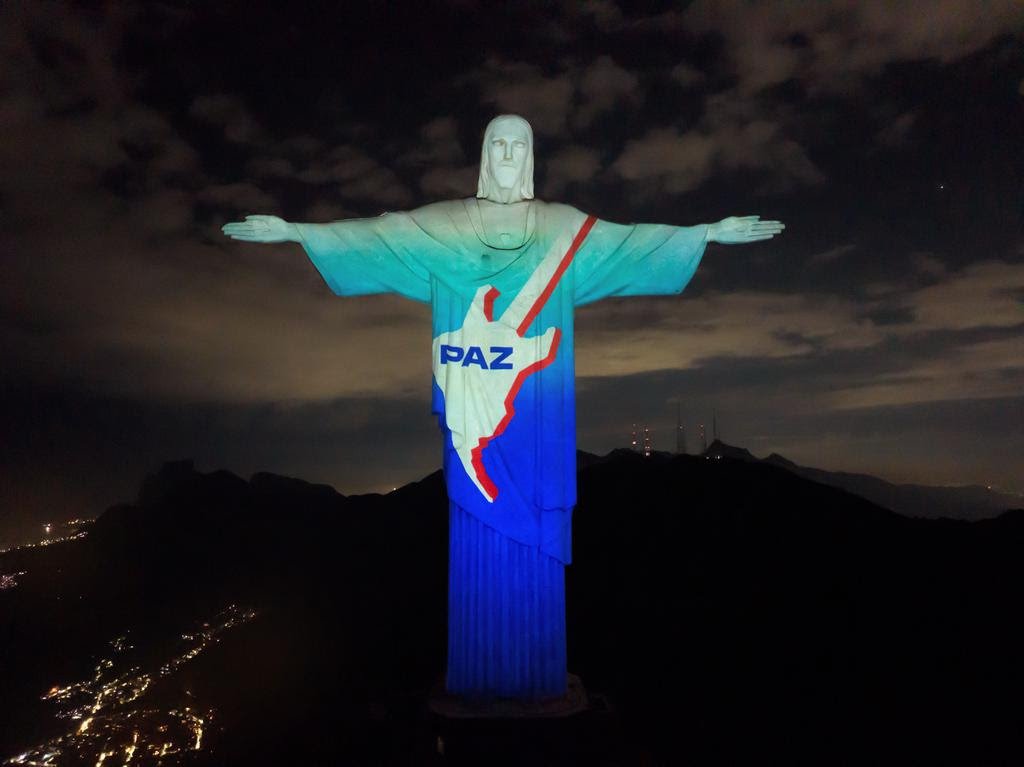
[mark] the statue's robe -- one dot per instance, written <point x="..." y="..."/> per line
<point x="503" y="391"/>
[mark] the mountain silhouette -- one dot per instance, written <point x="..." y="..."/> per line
<point x="719" y="449"/>
<point x="958" y="502"/>
<point x="719" y="611"/>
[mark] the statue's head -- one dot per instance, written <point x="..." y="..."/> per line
<point x="506" y="160"/>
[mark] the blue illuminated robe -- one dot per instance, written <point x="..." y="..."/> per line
<point x="503" y="391"/>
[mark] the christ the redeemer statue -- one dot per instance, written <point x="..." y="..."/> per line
<point x="502" y="272"/>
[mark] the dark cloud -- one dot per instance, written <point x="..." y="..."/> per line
<point x="438" y="157"/>
<point x="830" y="255"/>
<point x="686" y="75"/>
<point x="693" y="332"/>
<point x="677" y="162"/>
<point x="604" y="85"/>
<point x="896" y="132"/>
<point x="525" y="89"/>
<point x="272" y="167"/>
<point x="438" y="144"/>
<point x="896" y="288"/>
<point x="831" y="46"/>
<point x="734" y="134"/>
<point x="229" y="113"/>
<point x="572" y="164"/>
<point x="571" y="97"/>
<point x="890" y="315"/>
<point x="238" y="196"/>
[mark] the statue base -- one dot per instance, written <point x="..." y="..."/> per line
<point x="576" y="728"/>
<point x="454" y="707"/>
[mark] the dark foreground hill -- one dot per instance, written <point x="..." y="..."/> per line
<point x="729" y="612"/>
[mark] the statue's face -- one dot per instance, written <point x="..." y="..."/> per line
<point x="508" y="148"/>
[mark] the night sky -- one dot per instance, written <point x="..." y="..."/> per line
<point x="881" y="332"/>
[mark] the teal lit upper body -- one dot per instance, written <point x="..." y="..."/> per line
<point x="502" y="316"/>
<point x="503" y="273"/>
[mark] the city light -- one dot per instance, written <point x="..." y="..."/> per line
<point x="115" y="716"/>
<point x="10" y="580"/>
<point x="45" y="542"/>
<point x="71" y="527"/>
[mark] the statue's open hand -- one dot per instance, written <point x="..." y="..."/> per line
<point x="736" y="230"/>
<point x="261" y="229"/>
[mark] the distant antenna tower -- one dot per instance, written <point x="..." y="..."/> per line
<point x="714" y="425"/>
<point x="703" y="438"/>
<point x="634" y="444"/>
<point x="647" y="442"/>
<point x="680" y="433"/>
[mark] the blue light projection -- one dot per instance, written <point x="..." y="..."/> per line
<point x="503" y="273"/>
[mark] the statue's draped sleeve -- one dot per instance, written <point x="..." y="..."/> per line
<point x="371" y="255"/>
<point x="637" y="260"/>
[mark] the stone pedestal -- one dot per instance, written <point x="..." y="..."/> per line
<point x="576" y="728"/>
<point x="453" y="707"/>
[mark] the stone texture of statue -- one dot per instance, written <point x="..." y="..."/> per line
<point x="503" y="272"/>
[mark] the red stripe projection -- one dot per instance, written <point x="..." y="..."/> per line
<point x="477" y="453"/>
<point x="562" y="266"/>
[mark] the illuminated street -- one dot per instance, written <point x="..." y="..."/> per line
<point x="70" y="530"/>
<point x="10" y="580"/>
<point x="111" y="721"/>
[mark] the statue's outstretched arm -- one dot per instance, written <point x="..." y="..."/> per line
<point x="736" y="230"/>
<point x="355" y="256"/>
<point x="262" y="229"/>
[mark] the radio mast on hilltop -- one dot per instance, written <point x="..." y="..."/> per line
<point x="680" y="433"/>
<point x="703" y="438"/>
<point x="647" y="442"/>
<point x="633" y="443"/>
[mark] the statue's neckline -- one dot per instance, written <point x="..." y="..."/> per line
<point x="503" y="241"/>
